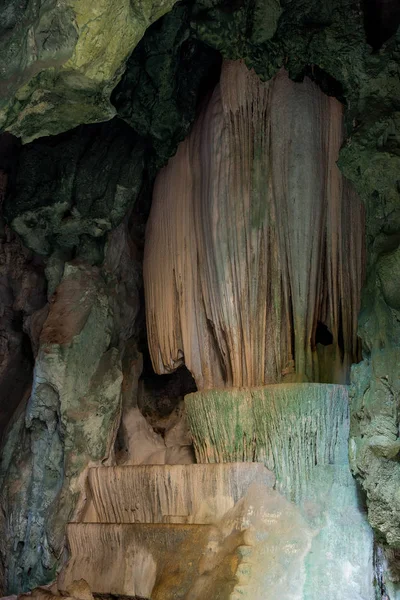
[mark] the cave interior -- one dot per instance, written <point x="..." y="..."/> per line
<point x="200" y="300"/>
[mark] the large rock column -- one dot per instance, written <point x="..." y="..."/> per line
<point x="253" y="269"/>
<point x="300" y="431"/>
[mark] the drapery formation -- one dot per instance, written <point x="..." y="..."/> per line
<point x="254" y="246"/>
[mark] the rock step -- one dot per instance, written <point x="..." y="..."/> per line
<point x="185" y="494"/>
<point x="291" y="427"/>
<point x="157" y="561"/>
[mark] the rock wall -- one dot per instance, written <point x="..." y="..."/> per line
<point x="70" y="420"/>
<point x="72" y="416"/>
<point x="60" y="61"/>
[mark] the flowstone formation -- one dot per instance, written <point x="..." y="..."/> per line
<point x="254" y="246"/>
<point x="300" y="431"/>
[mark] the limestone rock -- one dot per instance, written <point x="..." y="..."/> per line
<point x="126" y="560"/>
<point x="141" y="445"/>
<point x="270" y="538"/>
<point x="60" y="62"/>
<point x="82" y="378"/>
<point x="80" y="589"/>
<point x="374" y="441"/>
<point x="254" y="549"/>
<point x="253" y="241"/>
<point x="301" y="432"/>
<point x="72" y="189"/>
<point x="199" y="494"/>
<point x="70" y="422"/>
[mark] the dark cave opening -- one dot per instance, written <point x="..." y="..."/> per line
<point x="160" y="395"/>
<point x="381" y="21"/>
<point x="323" y="335"/>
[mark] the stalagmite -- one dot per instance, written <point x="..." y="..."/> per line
<point x="255" y="241"/>
<point x="300" y="430"/>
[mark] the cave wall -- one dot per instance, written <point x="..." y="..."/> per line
<point x="73" y="413"/>
<point x="60" y="62"/>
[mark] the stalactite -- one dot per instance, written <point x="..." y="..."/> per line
<point x="255" y="240"/>
<point x="174" y="279"/>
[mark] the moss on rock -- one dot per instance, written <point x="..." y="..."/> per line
<point x="60" y="61"/>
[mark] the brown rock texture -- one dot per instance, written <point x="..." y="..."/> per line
<point x="126" y="560"/>
<point x="189" y="531"/>
<point x="185" y="494"/>
<point x="255" y="241"/>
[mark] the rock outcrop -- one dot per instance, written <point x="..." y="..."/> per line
<point x="70" y="421"/>
<point x="60" y="61"/>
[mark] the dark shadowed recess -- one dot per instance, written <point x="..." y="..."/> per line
<point x="381" y="20"/>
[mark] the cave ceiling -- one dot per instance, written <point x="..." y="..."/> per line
<point x="157" y="88"/>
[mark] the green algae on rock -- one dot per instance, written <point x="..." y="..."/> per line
<point x="60" y="61"/>
<point x="301" y="432"/>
